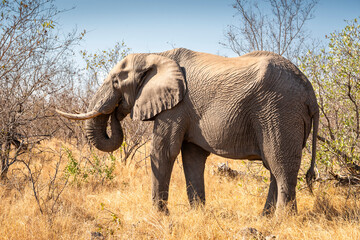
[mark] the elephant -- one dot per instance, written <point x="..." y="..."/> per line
<point x="258" y="106"/>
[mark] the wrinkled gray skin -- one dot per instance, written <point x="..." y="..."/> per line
<point x="258" y="107"/>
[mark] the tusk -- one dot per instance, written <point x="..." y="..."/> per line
<point x="80" y="116"/>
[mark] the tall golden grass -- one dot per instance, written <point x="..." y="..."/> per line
<point x="121" y="208"/>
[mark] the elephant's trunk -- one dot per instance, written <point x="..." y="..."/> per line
<point x="98" y="136"/>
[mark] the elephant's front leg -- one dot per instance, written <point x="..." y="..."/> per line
<point x="166" y="146"/>
<point x="194" y="159"/>
<point x="161" y="166"/>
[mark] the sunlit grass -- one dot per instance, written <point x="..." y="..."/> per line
<point x="121" y="208"/>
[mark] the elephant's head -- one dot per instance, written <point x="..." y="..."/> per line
<point x="141" y="84"/>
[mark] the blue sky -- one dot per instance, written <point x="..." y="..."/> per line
<point x="157" y="25"/>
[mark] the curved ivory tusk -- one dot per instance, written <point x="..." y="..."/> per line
<point x="80" y="116"/>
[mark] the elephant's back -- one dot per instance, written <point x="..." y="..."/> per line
<point x="233" y="83"/>
<point x="229" y="100"/>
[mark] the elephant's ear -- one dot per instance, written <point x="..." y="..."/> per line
<point x="162" y="88"/>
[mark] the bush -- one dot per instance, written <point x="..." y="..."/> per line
<point x="35" y="67"/>
<point x="335" y="75"/>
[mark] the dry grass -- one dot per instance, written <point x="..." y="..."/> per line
<point x="121" y="208"/>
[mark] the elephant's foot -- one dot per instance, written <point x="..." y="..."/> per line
<point x="268" y="211"/>
<point x="286" y="203"/>
<point x="197" y="202"/>
<point x="161" y="206"/>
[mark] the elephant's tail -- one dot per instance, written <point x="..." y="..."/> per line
<point x="310" y="175"/>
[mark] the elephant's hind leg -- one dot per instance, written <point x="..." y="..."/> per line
<point x="285" y="167"/>
<point x="271" y="199"/>
<point x="282" y="149"/>
<point x="194" y="159"/>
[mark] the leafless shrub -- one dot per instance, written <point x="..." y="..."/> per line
<point x="280" y="30"/>
<point x="137" y="135"/>
<point x="46" y="194"/>
<point x="34" y="68"/>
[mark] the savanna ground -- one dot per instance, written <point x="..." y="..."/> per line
<point x="96" y="196"/>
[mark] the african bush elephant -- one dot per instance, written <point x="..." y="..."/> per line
<point x="258" y="107"/>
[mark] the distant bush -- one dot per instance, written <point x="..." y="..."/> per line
<point x="335" y="75"/>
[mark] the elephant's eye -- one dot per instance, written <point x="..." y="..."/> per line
<point x="122" y="75"/>
<point x="115" y="82"/>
